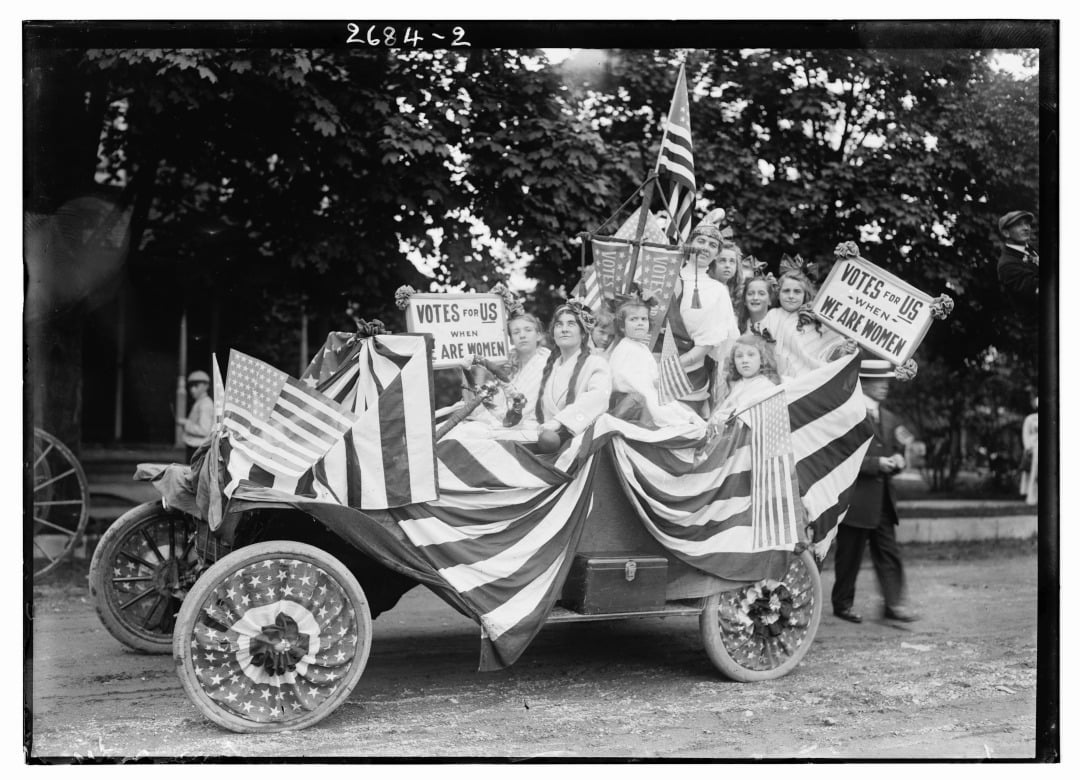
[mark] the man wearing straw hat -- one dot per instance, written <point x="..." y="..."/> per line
<point x="872" y="516"/>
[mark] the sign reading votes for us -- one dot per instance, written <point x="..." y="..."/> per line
<point x="878" y="310"/>
<point x="462" y="324"/>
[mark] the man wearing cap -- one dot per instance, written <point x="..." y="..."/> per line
<point x="1018" y="266"/>
<point x="872" y="516"/>
<point x="200" y="420"/>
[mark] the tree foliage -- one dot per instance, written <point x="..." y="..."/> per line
<point x="281" y="181"/>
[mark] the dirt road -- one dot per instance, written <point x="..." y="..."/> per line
<point x="960" y="683"/>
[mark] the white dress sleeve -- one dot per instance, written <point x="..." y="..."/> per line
<point x="591" y="397"/>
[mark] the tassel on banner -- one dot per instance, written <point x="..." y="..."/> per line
<point x="695" y="302"/>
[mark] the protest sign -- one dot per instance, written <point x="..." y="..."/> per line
<point x="880" y="311"/>
<point x="462" y="324"/>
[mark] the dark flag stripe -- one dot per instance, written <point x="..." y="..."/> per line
<point x="394" y="444"/>
<point x="823" y="399"/>
<point x="352" y="470"/>
<point x="820" y="463"/>
<point x="260" y="476"/>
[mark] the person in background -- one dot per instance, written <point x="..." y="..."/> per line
<point x="728" y="270"/>
<point x="602" y="338"/>
<point x="200" y="420"/>
<point x="1029" y="474"/>
<point x="872" y="517"/>
<point x="1018" y="267"/>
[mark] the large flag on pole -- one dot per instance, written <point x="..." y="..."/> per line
<point x="677" y="161"/>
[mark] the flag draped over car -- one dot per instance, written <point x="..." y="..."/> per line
<point x="499" y="539"/>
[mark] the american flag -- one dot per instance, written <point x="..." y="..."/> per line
<point x="653" y="233"/>
<point x="772" y="472"/>
<point x="274" y="639"/>
<point x="674" y="383"/>
<point x="277" y="427"/>
<point x="588" y="289"/>
<point x="677" y="160"/>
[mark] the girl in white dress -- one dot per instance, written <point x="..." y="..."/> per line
<point x="749" y="372"/>
<point x="634" y="370"/>
<point x="575" y="385"/>
<point x="801" y="343"/>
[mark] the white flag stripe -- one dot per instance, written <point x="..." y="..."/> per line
<point x="423" y="531"/>
<point x="679" y="132"/>
<point x="419" y="430"/>
<point x="636" y="467"/>
<point x="267" y="449"/>
<point x="453" y="497"/>
<point x="264" y="461"/>
<point x="678" y="169"/>
<point x="507" y="615"/>
<point x="825" y="429"/>
<point x="320" y="414"/>
<point x="241" y="421"/>
<point x="287" y="423"/>
<point x="465" y="577"/>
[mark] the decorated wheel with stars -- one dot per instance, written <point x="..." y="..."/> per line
<point x="142" y="569"/>
<point x="273" y="637"/>
<point x="762" y="631"/>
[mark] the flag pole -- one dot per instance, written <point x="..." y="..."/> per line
<point x="647" y="195"/>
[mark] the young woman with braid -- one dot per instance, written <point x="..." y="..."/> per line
<point x="575" y="386"/>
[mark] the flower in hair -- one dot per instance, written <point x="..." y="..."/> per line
<point x="757" y="329"/>
<point x="582" y="312"/>
<point x="511" y="301"/>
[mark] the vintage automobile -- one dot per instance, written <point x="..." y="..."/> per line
<point x="267" y="602"/>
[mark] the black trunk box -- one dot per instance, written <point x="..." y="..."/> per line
<point x="606" y="583"/>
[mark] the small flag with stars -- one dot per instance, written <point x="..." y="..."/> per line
<point x="277" y="427"/>
<point x="588" y="289"/>
<point x="773" y="488"/>
<point x="674" y="383"/>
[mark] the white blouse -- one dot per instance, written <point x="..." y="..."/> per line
<point x="798" y="352"/>
<point x="591" y="397"/>
<point x="634" y="370"/>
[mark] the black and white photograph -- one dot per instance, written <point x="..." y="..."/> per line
<point x="461" y="390"/>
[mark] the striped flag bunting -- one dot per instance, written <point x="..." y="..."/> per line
<point x="674" y="383"/>
<point x="773" y="487"/>
<point x="277" y="427"/>
<point x="498" y="541"/>
<point x="387" y="457"/>
<point x="677" y="161"/>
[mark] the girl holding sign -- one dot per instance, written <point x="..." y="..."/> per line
<point x="802" y="343"/>
<point x="575" y="385"/>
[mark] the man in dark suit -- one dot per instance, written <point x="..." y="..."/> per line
<point x="1018" y="268"/>
<point x="872" y="515"/>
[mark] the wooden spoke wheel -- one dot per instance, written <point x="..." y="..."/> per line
<point x="272" y="637"/>
<point x="61" y="502"/>
<point x="762" y="631"/>
<point x="141" y="571"/>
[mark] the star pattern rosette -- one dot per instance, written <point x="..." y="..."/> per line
<point x="274" y="640"/>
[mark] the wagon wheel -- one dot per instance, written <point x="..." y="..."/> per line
<point x="61" y="501"/>
<point x="142" y="569"/>
<point x="272" y="637"/>
<point x="762" y="631"/>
